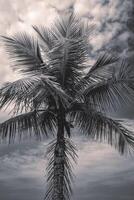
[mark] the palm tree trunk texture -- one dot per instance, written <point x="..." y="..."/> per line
<point x="59" y="170"/>
<point x="59" y="158"/>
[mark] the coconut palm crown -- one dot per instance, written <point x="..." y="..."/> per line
<point x="59" y="91"/>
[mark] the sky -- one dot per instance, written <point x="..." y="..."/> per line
<point x="103" y="174"/>
<point x="109" y="16"/>
<point x="100" y="174"/>
<point x="112" y="33"/>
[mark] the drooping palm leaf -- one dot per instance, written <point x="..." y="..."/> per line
<point x="113" y="92"/>
<point x="32" y="124"/>
<point x="25" y="53"/>
<point x="100" y="71"/>
<point x="23" y="91"/>
<point x="18" y="92"/>
<point x="104" y="60"/>
<point x="102" y="128"/>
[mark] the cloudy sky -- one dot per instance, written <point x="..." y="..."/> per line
<point x="113" y="21"/>
<point x="103" y="174"/>
<point x="109" y="16"/>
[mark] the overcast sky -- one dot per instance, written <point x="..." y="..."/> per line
<point x="102" y="174"/>
<point x="109" y="16"/>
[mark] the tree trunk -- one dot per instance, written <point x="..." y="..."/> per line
<point x="59" y="160"/>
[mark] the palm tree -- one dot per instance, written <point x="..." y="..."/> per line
<point x="59" y="91"/>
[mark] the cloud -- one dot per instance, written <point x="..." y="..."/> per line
<point x="109" y="16"/>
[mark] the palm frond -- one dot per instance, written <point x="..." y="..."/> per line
<point x="47" y="121"/>
<point x="114" y="92"/>
<point x="104" y="60"/>
<point x="65" y="152"/>
<point x="24" y="91"/>
<point x="69" y="52"/>
<point x="32" y="124"/>
<point x="18" y="92"/>
<point x="51" y="90"/>
<point x="102" y="128"/>
<point x="100" y="71"/>
<point x="47" y="36"/>
<point x="25" y="53"/>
